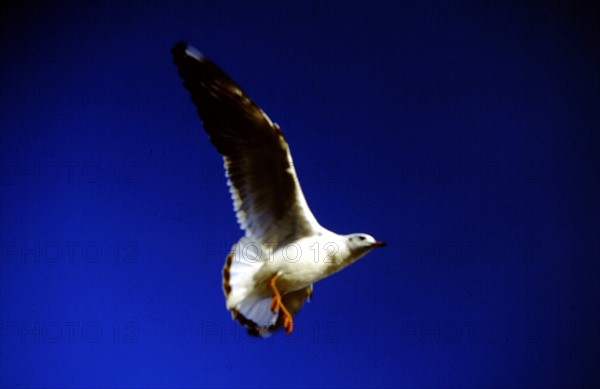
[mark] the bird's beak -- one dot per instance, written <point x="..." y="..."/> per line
<point x="378" y="244"/>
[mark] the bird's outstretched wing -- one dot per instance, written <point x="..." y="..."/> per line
<point x="267" y="198"/>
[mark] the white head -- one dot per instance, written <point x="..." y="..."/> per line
<point x="359" y="244"/>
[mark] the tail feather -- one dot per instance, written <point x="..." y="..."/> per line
<point x="248" y="304"/>
<point x="240" y="266"/>
<point x="256" y="315"/>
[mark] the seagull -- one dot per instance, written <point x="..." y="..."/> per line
<point x="270" y="271"/>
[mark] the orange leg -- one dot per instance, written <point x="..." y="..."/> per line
<point x="276" y="304"/>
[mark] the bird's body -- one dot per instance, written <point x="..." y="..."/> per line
<point x="270" y="272"/>
<point x="300" y="263"/>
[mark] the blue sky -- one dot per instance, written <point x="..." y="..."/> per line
<point x="464" y="134"/>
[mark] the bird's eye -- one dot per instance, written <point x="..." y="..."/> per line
<point x="361" y="237"/>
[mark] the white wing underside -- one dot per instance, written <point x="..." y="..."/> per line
<point x="258" y="221"/>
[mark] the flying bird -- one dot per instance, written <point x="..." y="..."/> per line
<point x="269" y="272"/>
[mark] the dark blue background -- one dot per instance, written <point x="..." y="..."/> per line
<point x="464" y="134"/>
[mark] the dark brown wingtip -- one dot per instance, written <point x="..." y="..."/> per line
<point x="183" y="52"/>
<point x="253" y="328"/>
<point x="179" y="47"/>
<point x="227" y="275"/>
